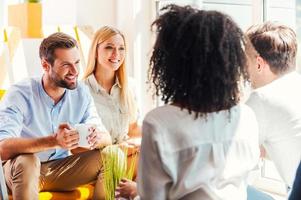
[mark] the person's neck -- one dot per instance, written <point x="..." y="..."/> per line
<point x="267" y="80"/>
<point x="105" y="78"/>
<point x="265" y="75"/>
<point x="53" y="91"/>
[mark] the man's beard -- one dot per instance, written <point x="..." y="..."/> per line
<point x="61" y="82"/>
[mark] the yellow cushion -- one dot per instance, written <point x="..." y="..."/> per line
<point x="81" y="193"/>
<point x="2" y="92"/>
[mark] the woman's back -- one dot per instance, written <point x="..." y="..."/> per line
<point x="205" y="147"/>
<point x="204" y="158"/>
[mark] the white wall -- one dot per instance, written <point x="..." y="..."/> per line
<point x="79" y="12"/>
<point x="247" y="12"/>
<point x="283" y="11"/>
<point x="31" y="57"/>
<point x="2" y="15"/>
<point x="96" y="13"/>
<point x="134" y="18"/>
<point x="59" y="12"/>
<point x="240" y="11"/>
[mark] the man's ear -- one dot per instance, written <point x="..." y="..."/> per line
<point x="261" y="64"/>
<point x="45" y="64"/>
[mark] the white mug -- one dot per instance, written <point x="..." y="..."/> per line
<point x="83" y="131"/>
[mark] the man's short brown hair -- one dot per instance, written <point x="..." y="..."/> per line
<point x="276" y="44"/>
<point x="53" y="42"/>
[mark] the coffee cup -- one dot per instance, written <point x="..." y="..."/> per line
<point x="83" y="131"/>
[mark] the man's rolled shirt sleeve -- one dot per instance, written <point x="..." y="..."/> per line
<point x="11" y="115"/>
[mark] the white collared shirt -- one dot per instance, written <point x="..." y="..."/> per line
<point x="116" y="118"/>
<point x="205" y="158"/>
<point x="277" y="108"/>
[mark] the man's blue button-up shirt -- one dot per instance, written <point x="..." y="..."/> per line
<point x="28" y="112"/>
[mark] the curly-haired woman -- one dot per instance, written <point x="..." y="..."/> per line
<point x="203" y="142"/>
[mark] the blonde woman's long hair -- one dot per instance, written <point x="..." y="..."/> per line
<point x="126" y="96"/>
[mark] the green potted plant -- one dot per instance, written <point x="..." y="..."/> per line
<point x="115" y="168"/>
<point x="33" y="1"/>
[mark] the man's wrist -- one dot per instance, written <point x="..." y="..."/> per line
<point x="52" y="140"/>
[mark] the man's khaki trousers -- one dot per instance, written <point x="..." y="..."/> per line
<point x="25" y="175"/>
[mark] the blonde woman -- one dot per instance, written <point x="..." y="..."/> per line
<point x="107" y="80"/>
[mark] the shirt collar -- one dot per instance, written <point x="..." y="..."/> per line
<point x="93" y="83"/>
<point x="96" y="87"/>
<point x="117" y="82"/>
<point x="46" y="98"/>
